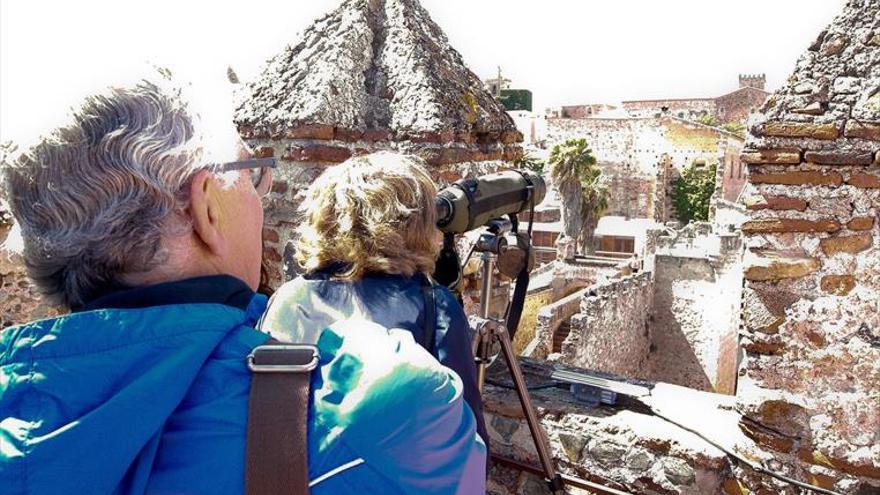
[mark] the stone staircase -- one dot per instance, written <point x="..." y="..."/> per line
<point x="560" y="335"/>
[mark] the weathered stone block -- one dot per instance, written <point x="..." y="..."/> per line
<point x="778" y="203"/>
<point x="512" y="153"/>
<point x="270" y="235"/>
<point x="864" y="181"/>
<point x="778" y="225"/>
<point x="511" y="137"/>
<point x="772" y="156"/>
<point x="865" y="468"/>
<point x="271" y="254"/>
<point x="834" y="45"/>
<point x="443" y="137"/>
<point x="678" y="471"/>
<point x="800" y="130"/>
<point x="573" y="445"/>
<point x="849" y="244"/>
<point x="252" y="132"/>
<point x="607" y="453"/>
<point x="264" y="152"/>
<point x="318" y="153"/>
<point x="444" y="155"/>
<point x="847" y="85"/>
<point x="505" y="427"/>
<point x="348" y="135"/>
<point x="814" y="108"/>
<point x="839" y="158"/>
<point x="733" y="487"/>
<point x="323" y="132"/>
<point x="639" y="460"/>
<point x="782" y="416"/>
<point x="764" y="348"/>
<point x="798" y="178"/>
<point x="279" y="187"/>
<point x="376" y="135"/>
<point x="831" y="207"/>
<point x="465" y="137"/>
<point x="863" y="130"/>
<point x="771" y="266"/>
<point x="839" y="285"/>
<point x="764" y="437"/>
<point x="861" y="223"/>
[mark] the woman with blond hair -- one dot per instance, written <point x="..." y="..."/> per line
<point x="367" y="245"/>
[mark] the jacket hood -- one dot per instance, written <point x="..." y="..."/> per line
<point x="86" y="396"/>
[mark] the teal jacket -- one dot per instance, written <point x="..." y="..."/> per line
<point x="153" y="400"/>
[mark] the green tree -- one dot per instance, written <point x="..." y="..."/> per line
<point x="594" y="202"/>
<point x="692" y="192"/>
<point x="709" y="120"/>
<point x="571" y="163"/>
<point x="735" y="128"/>
<point x="528" y="161"/>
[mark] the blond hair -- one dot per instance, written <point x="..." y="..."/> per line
<point x="370" y="214"/>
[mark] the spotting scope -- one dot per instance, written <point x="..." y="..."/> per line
<point x="468" y="204"/>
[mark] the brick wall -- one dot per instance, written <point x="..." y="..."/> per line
<point x="810" y="377"/>
<point x="736" y="106"/>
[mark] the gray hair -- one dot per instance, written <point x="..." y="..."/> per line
<point x="95" y="197"/>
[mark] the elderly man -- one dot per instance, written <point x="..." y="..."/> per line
<point x="144" y="387"/>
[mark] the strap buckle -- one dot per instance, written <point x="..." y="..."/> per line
<point x="283" y="358"/>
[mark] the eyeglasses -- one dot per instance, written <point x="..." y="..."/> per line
<point x="260" y="170"/>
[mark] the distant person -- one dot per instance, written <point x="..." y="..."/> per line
<point x="634" y="263"/>
<point x="143" y="388"/>
<point x="368" y="244"/>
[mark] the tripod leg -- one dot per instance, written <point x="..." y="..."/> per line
<point x="538" y="436"/>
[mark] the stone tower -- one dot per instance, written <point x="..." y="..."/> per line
<point x="756" y="81"/>
<point x="371" y="75"/>
<point x="810" y="375"/>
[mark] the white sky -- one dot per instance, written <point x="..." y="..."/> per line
<point x="565" y="51"/>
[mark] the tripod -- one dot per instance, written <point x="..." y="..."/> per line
<point x="487" y="330"/>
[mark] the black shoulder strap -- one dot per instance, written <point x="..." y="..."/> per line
<point x="430" y="314"/>
<point x="277" y="447"/>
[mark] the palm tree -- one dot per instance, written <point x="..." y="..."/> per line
<point x="570" y="162"/>
<point x="594" y="202"/>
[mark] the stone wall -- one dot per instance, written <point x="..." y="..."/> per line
<point x="735" y="106"/>
<point x="692" y="108"/>
<point x="640" y="156"/>
<point x="611" y="330"/>
<point x="624" y="446"/>
<point x="810" y="377"/>
<point x="548" y="320"/>
<point x="738" y="105"/>
<point x="696" y="309"/>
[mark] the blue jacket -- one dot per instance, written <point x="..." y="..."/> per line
<point x="304" y="305"/>
<point x="153" y="400"/>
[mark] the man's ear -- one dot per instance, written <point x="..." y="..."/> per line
<point x="204" y="207"/>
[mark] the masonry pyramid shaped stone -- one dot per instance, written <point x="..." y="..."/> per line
<point x="834" y="91"/>
<point x="377" y="66"/>
<point x="811" y="366"/>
